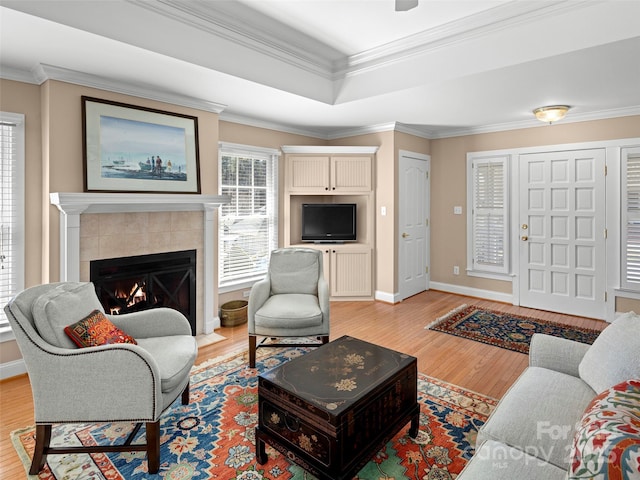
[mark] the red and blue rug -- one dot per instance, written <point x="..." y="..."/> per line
<point x="214" y="436"/>
<point x="505" y="330"/>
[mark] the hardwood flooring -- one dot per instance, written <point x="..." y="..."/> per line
<point x="483" y="368"/>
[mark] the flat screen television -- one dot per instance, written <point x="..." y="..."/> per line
<point x="328" y="222"/>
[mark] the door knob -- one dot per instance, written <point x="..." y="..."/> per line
<point x="405" y="235"/>
<point x="525" y="238"/>
<point x="525" y="226"/>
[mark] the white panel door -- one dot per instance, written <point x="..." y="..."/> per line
<point x="562" y="232"/>
<point x="413" y="224"/>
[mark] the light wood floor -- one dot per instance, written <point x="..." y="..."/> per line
<point x="475" y="366"/>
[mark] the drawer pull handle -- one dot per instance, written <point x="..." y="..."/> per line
<point x="292" y="423"/>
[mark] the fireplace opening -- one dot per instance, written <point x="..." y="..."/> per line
<point x="132" y="284"/>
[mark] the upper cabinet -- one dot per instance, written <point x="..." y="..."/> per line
<point x="329" y="174"/>
<point x="329" y="170"/>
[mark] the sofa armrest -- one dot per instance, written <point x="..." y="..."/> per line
<point x="556" y="353"/>
<point x="259" y="294"/>
<point x="324" y="298"/>
<point x="155" y="322"/>
<point x="94" y="384"/>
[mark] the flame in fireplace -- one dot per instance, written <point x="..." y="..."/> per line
<point x="136" y="294"/>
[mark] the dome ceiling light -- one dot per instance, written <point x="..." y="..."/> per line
<point x="552" y="113"/>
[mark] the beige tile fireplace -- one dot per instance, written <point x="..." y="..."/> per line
<point x="95" y="226"/>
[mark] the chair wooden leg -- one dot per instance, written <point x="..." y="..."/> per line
<point x="252" y="351"/>
<point x="43" y="437"/>
<point x="185" y="395"/>
<point x="153" y="446"/>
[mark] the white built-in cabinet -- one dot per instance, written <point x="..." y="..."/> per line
<point x="315" y="174"/>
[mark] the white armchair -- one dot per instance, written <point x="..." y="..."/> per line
<point x="108" y="383"/>
<point x="291" y="301"/>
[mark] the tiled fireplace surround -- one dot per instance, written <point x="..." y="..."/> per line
<point x="95" y="226"/>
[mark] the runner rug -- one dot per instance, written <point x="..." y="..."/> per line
<point x="213" y="436"/>
<point x="505" y="330"/>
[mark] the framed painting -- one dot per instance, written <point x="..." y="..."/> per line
<point x="127" y="148"/>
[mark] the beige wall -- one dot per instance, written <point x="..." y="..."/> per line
<point x="54" y="163"/>
<point x="263" y="137"/>
<point x="385" y="175"/>
<point x="63" y="152"/>
<point x="23" y="98"/>
<point x="448" y="185"/>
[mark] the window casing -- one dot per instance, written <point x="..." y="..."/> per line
<point x="488" y="209"/>
<point x="248" y="225"/>
<point x="12" y="196"/>
<point x="630" y="235"/>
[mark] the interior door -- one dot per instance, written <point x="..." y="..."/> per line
<point x="562" y="232"/>
<point x="413" y="224"/>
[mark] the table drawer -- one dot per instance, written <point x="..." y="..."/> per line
<point x="296" y="431"/>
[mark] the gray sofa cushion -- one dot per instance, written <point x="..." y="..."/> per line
<point x="64" y="305"/>
<point x="302" y="310"/>
<point x="615" y="355"/>
<point x="538" y="415"/>
<point x="175" y="367"/>
<point x="497" y="461"/>
<point x="294" y="270"/>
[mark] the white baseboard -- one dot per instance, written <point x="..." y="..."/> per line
<point x="447" y="287"/>
<point x="211" y="325"/>
<point x="13" y="368"/>
<point x="387" y="297"/>
<point x="472" y="292"/>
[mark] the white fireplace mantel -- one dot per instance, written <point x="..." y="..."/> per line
<point x="72" y="205"/>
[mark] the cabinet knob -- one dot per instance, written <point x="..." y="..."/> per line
<point x="326" y="188"/>
<point x="333" y="188"/>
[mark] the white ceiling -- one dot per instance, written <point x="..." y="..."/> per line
<point x="331" y="68"/>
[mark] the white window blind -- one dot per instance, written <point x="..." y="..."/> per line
<point x="631" y="219"/>
<point x="248" y="228"/>
<point x="11" y="210"/>
<point x="489" y="215"/>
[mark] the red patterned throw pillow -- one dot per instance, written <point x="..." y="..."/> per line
<point x="607" y="442"/>
<point x="96" y="329"/>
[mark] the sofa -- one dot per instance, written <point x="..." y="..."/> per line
<point x="573" y="413"/>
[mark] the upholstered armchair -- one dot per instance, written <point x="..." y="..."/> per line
<point x="121" y="382"/>
<point x="291" y="301"/>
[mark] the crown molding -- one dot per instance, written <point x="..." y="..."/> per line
<point x="480" y="24"/>
<point x="269" y="125"/>
<point x="241" y="27"/>
<point x="329" y="149"/>
<point x="416" y="130"/>
<point x="44" y="72"/>
<point x="535" y="123"/>
<point x="18" y="75"/>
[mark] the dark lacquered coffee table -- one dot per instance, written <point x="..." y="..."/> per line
<point x="332" y="409"/>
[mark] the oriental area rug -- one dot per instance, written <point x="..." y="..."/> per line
<point x="214" y="436"/>
<point x="505" y="330"/>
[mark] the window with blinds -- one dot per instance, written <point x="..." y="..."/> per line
<point x="630" y="234"/>
<point x="248" y="228"/>
<point x="489" y="221"/>
<point x="11" y="210"/>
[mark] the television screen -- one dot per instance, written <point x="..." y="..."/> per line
<point x="328" y="222"/>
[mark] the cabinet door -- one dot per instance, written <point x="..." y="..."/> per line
<point x="351" y="272"/>
<point x="308" y="174"/>
<point x="351" y="174"/>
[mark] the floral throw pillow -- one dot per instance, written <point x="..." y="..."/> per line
<point x="96" y="329"/>
<point x="607" y="441"/>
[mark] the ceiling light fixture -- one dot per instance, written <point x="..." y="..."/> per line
<point x="552" y="113"/>
<point x="404" y="5"/>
